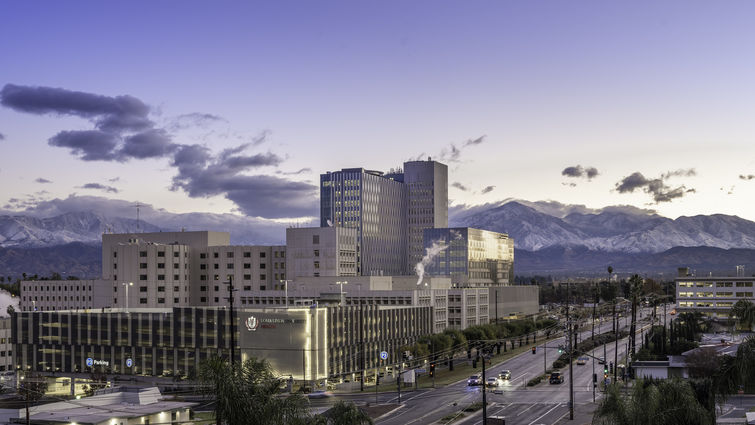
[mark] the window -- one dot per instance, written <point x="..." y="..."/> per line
<point x="142" y="253"/>
<point x="247" y="288"/>
<point x="203" y="255"/>
<point x="175" y="300"/>
<point x="263" y="265"/>
<point x="142" y="265"/>
<point x="161" y="300"/>
<point x="247" y="255"/>
<point x="115" y="255"/>
<point x="203" y="299"/>
<point x="216" y="299"/>
<point x="247" y="277"/>
<point x="176" y="277"/>
<point x="203" y="267"/>
<point x="216" y="266"/>
<point x="115" y="265"/>
<point x="161" y="253"/>
<point x="175" y="265"/>
<point x="214" y="255"/>
<point x="115" y="289"/>
<point x="315" y="239"/>
<point x="262" y="287"/>
<point x="142" y="301"/>
<point x="275" y="254"/>
<point x="160" y="265"/>
<point x="317" y="264"/>
<point x="176" y="288"/>
<point x="229" y="266"/>
<point x="161" y="277"/>
<point x="283" y="254"/>
<point x="317" y="254"/>
<point x="247" y="265"/>
<point x="142" y="277"/>
<point x="263" y="277"/>
<point x="262" y="255"/>
<point x="142" y="289"/>
<point x="217" y="288"/>
<point x="229" y="254"/>
<point x="203" y="288"/>
<point x="216" y="277"/>
<point x="203" y="277"/>
<point x="160" y="289"/>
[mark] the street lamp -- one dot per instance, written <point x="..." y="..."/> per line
<point x="341" y="283"/>
<point x="126" y="285"/>
<point x="285" y="286"/>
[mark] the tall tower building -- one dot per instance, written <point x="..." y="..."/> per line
<point x="427" y="204"/>
<point x="375" y="205"/>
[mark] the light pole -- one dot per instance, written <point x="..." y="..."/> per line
<point x="341" y="283"/>
<point x="285" y="286"/>
<point x="233" y="330"/>
<point x="126" y="285"/>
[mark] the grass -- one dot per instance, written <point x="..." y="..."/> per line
<point x="204" y="418"/>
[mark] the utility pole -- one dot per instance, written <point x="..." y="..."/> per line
<point x="233" y="331"/>
<point x="594" y="304"/>
<point x="569" y="347"/>
<point x="484" y="393"/>
<point x="361" y="347"/>
<point x="398" y="382"/>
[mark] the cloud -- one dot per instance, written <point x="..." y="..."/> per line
<point x="452" y="153"/>
<point x="193" y="119"/>
<point x="41" y="180"/>
<point x="122" y="128"/>
<point x="99" y="186"/>
<point x="305" y="170"/>
<point x="477" y="141"/>
<point x="689" y="172"/>
<point x="114" y="179"/>
<point x="2" y="136"/>
<point x="487" y="189"/>
<point x="657" y="188"/>
<point x="578" y="171"/>
<point x="746" y="177"/>
<point x="202" y="174"/>
<point x="460" y="186"/>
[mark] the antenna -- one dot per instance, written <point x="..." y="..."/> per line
<point x="138" y="205"/>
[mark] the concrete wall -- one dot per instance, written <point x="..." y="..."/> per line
<point x="519" y="300"/>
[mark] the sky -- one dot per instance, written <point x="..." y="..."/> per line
<point x="237" y="107"/>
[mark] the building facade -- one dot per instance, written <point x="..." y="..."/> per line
<point x="427" y="204"/>
<point x="471" y="257"/>
<point x="374" y="205"/>
<point x="714" y="296"/>
<point x="321" y="251"/>
<point x="50" y="295"/>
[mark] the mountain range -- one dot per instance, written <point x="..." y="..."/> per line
<point x="564" y="241"/>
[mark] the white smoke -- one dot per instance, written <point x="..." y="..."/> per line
<point x="430" y="253"/>
<point x="7" y="299"/>
<point x="330" y="223"/>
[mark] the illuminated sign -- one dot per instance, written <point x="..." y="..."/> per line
<point x="252" y="323"/>
<point x="93" y="362"/>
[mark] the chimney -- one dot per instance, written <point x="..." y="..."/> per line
<point x="683" y="271"/>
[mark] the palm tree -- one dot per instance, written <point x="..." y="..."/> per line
<point x="652" y="403"/>
<point x="635" y="287"/>
<point x="744" y="313"/>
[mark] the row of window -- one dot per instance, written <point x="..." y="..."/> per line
<point x="247" y="254"/>
<point x="160" y="254"/>
<point x="216" y="266"/>
<point x="63" y="288"/>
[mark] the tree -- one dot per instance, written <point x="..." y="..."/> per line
<point x="744" y="313"/>
<point x="343" y="413"/>
<point x="635" y="288"/>
<point x="31" y="388"/>
<point x="653" y="403"/>
<point x="247" y="394"/>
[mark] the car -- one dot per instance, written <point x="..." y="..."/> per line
<point x="474" y="380"/>
<point x="492" y="382"/>
<point x="505" y="375"/>
<point x="556" y="378"/>
<point x="673" y="312"/>
<point x="601" y="361"/>
<point x="582" y="361"/>
<point x="320" y="394"/>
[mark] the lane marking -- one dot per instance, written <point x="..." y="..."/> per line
<point x="544" y="414"/>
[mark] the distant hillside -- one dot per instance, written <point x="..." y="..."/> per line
<point x="74" y="259"/>
<point x="581" y="261"/>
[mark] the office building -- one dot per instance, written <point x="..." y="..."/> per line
<point x="713" y="296"/>
<point x="427" y="204"/>
<point x="373" y="204"/>
<point x="321" y="251"/>
<point x="471" y="257"/>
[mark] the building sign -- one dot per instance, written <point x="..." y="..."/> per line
<point x="94" y="362"/>
<point x="252" y="323"/>
<point x="129" y="362"/>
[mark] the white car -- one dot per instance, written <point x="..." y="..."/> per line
<point x="493" y="382"/>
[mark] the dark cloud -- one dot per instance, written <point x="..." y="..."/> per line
<point x="459" y="186"/>
<point x="261" y="138"/>
<point x="689" y="172"/>
<point x="89" y="145"/>
<point x="657" y="188"/>
<point x="200" y="174"/>
<point x="579" y="171"/>
<point x="109" y="113"/>
<point x="2" y="136"/>
<point x="452" y="153"/>
<point x="487" y="189"/>
<point x="41" y="180"/>
<point x="98" y="186"/>
<point x="570" y="184"/>
<point x="152" y="143"/>
<point x="746" y="177"/>
<point x="476" y="141"/>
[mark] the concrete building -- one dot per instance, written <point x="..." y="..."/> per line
<point x="49" y="295"/>
<point x="427" y="204"/>
<point x="373" y="204"/>
<point x="714" y="296"/>
<point x="471" y="257"/>
<point x="321" y="251"/>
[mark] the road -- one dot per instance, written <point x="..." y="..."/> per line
<point x="542" y="404"/>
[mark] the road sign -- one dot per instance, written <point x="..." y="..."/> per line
<point x="383" y="355"/>
<point x="420" y="370"/>
<point x="129" y="362"/>
<point x="90" y="361"/>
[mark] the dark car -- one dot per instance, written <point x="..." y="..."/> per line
<point x="556" y="378"/>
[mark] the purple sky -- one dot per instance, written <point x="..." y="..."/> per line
<point x="657" y="97"/>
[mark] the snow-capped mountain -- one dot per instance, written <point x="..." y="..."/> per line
<point x="611" y="231"/>
<point x="83" y="226"/>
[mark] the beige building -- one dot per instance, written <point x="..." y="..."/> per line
<point x="50" y="295"/>
<point x="321" y="251"/>
<point x="714" y="296"/>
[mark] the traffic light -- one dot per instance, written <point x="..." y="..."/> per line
<point x="432" y="369"/>
<point x="560" y="349"/>
<point x="534" y="350"/>
<point x="611" y="367"/>
<point x="594" y="378"/>
<point x="605" y="370"/>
